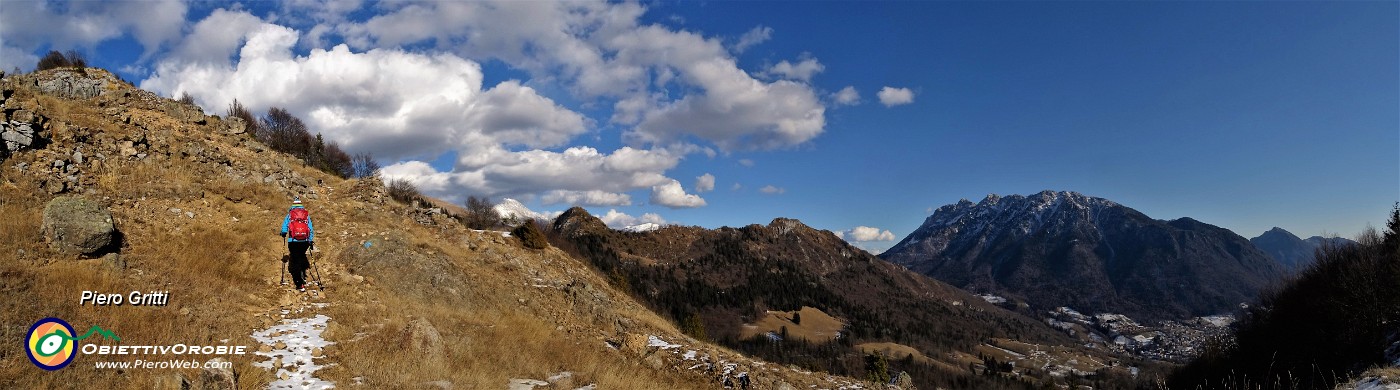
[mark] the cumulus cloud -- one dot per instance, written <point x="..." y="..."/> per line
<point x="499" y="172"/>
<point x="402" y="105"/>
<point x="753" y="37"/>
<point x="586" y="198"/>
<point x="30" y="25"/>
<point x="598" y="49"/>
<point x="771" y="190"/>
<point x="866" y="233"/>
<point x="616" y="219"/>
<point x="890" y="96"/>
<point x="846" y="96"/>
<point x="407" y="85"/>
<point x="802" y="70"/>
<point x="672" y="195"/>
<point x="705" y="183"/>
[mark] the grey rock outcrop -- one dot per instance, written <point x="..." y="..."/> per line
<point x="78" y="226"/>
<point x="72" y="85"/>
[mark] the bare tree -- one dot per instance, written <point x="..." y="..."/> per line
<point x="365" y="166"/>
<point x="481" y="213"/>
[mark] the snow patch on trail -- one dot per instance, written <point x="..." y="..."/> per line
<point x="301" y="340"/>
<point x="653" y="341"/>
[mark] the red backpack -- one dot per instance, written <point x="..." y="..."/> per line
<point x="299" y="228"/>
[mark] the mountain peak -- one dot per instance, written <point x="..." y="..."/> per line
<point x="1101" y="255"/>
<point x="576" y="220"/>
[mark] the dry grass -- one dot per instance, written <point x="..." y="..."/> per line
<point x="894" y="351"/>
<point x="816" y="325"/>
<point x="508" y="314"/>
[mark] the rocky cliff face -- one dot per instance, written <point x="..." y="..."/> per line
<point x="1055" y="249"/>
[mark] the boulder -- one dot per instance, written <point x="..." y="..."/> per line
<point x="234" y="126"/>
<point x="78" y="226"/>
<point x="422" y="339"/>
<point x="175" y="381"/>
<point x="217" y="378"/>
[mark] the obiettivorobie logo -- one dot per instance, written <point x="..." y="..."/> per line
<point x="51" y="344"/>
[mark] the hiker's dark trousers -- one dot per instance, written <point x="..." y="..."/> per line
<point x="298" y="265"/>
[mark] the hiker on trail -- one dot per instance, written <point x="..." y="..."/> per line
<point x="301" y="236"/>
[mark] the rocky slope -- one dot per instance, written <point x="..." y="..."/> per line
<point x="412" y="299"/>
<point x="1055" y="249"/>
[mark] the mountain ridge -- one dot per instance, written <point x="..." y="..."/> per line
<point x="1067" y="249"/>
<point x="728" y="276"/>
<point x="1293" y="252"/>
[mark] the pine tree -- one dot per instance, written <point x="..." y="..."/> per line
<point x="1392" y="230"/>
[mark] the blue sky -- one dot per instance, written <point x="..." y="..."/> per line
<point x="1246" y="115"/>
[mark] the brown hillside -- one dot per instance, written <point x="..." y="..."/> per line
<point x="735" y="276"/>
<point x="413" y="298"/>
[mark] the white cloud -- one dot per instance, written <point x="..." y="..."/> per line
<point x="393" y="103"/>
<point x="803" y="70"/>
<point x="705" y="183"/>
<point x="866" y="233"/>
<point x="616" y="219"/>
<point x="672" y="195"/>
<point x="755" y="36"/>
<point x="586" y="198"/>
<point x="771" y="190"/>
<point x="746" y="162"/>
<point x="736" y="187"/>
<point x="401" y="105"/>
<point x="891" y="97"/>
<point x="30" y="25"/>
<point x="846" y="96"/>
<point x="497" y="172"/>
<point x="598" y="49"/>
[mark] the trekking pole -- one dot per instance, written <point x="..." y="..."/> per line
<point x="316" y="271"/>
<point x="282" y="271"/>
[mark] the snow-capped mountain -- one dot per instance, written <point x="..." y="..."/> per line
<point x="1056" y="249"/>
<point x="645" y="227"/>
<point x="513" y="212"/>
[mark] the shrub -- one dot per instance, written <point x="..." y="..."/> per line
<point x="332" y="159"/>
<point x="694" y="327"/>
<point x="186" y="98"/>
<point x="77" y="60"/>
<point x="285" y="133"/>
<point x="404" y="191"/>
<point x="53" y="60"/>
<point x="530" y="235"/>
